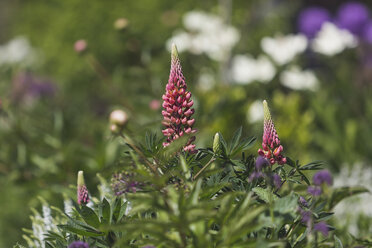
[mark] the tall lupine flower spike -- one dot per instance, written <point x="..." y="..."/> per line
<point x="177" y="106"/>
<point x="82" y="191"/>
<point x="271" y="148"/>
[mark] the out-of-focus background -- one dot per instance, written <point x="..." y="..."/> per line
<point x="65" y="65"/>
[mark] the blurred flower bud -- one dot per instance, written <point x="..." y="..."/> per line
<point x="78" y="244"/>
<point x="121" y="23"/>
<point x="80" y="46"/>
<point x="216" y="143"/>
<point x="82" y="191"/>
<point x="154" y="104"/>
<point x="118" y="117"/>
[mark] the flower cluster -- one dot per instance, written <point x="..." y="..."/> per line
<point x="177" y="106"/>
<point x="122" y="183"/>
<point x="262" y="164"/>
<point x="271" y="148"/>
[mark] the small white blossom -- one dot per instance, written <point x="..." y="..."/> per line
<point x="255" y="112"/>
<point x="47" y="218"/>
<point x="283" y="49"/>
<point x="206" y="33"/>
<point x="296" y="79"/>
<point x="331" y="40"/>
<point x="17" y="51"/>
<point x="67" y="203"/>
<point x="245" y="69"/>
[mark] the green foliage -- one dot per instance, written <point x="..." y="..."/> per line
<point x="202" y="200"/>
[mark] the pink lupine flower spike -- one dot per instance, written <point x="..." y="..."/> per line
<point x="177" y="106"/>
<point x="82" y="191"/>
<point x="271" y="147"/>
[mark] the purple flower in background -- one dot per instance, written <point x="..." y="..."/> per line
<point x="148" y="246"/>
<point x="177" y="106"/>
<point x="303" y="201"/>
<point x="305" y="216"/>
<point x="352" y="16"/>
<point x="256" y="175"/>
<point x="311" y="20"/>
<point x="82" y="191"/>
<point x="315" y="191"/>
<point x="122" y="183"/>
<point x="321" y="227"/>
<point x="78" y="244"/>
<point x="277" y="181"/>
<point x="323" y="176"/>
<point x="27" y="86"/>
<point x="367" y="32"/>
<point x="261" y="162"/>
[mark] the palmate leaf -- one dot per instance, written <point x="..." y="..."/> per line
<point x="341" y="193"/>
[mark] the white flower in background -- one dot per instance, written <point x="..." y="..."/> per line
<point x="255" y="112"/>
<point x="296" y="79"/>
<point x="283" y="49"/>
<point x="17" y="51"/>
<point x="47" y="218"/>
<point x="331" y="40"/>
<point x="207" y="34"/>
<point x="67" y="204"/>
<point x="206" y="81"/>
<point x="347" y="211"/>
<point x="245" y="69"/>
<point x="38" y="231"/>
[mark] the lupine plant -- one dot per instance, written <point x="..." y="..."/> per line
<point x="167" y="192"/>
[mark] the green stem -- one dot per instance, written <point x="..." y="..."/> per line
<point x="205" y="166"/>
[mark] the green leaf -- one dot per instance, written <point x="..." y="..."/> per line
<point x="76" y="229"/>
<point x="89" y="216"/>
<point x="235" y="140"/>
<point x="341" y="193"/>
<point x="287" y="204"/>
<point x="105" y="212"/>
<point x="264" y="194"/>
<point x="315" y="165"/>
<point x="338" y="243"/>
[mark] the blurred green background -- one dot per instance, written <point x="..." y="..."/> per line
<point x="56" y="99"/>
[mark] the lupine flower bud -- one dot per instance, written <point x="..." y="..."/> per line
<point x="177" y="106"/>
<point x="82" y="191"/>
<point x="216" y="143"/>
<point x="118" y="117"/>
<point x="271" y="148"/>
<point x="78" y="244"/>
<point x="80" y="46"/>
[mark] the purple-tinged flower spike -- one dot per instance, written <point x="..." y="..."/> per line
<point x="82" y="191"/>
<point x="323" y="176"/>
<point x="78" y="244"/>
<point x="270" y="141"/>
<point x="303" y="201"/>
<point x="122" y="183"/>
<point x="321" y="227"/>
<point x="177" y="106"/>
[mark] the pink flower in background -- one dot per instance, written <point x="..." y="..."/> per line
<point x="80" y="46"/>
<point x="271" y="148"/>
<point x="154" y="104"/>
<point x="82" y="191"/>
<point x="177" y="106"/>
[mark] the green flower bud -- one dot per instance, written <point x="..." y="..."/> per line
<point x="216" y="143"/>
